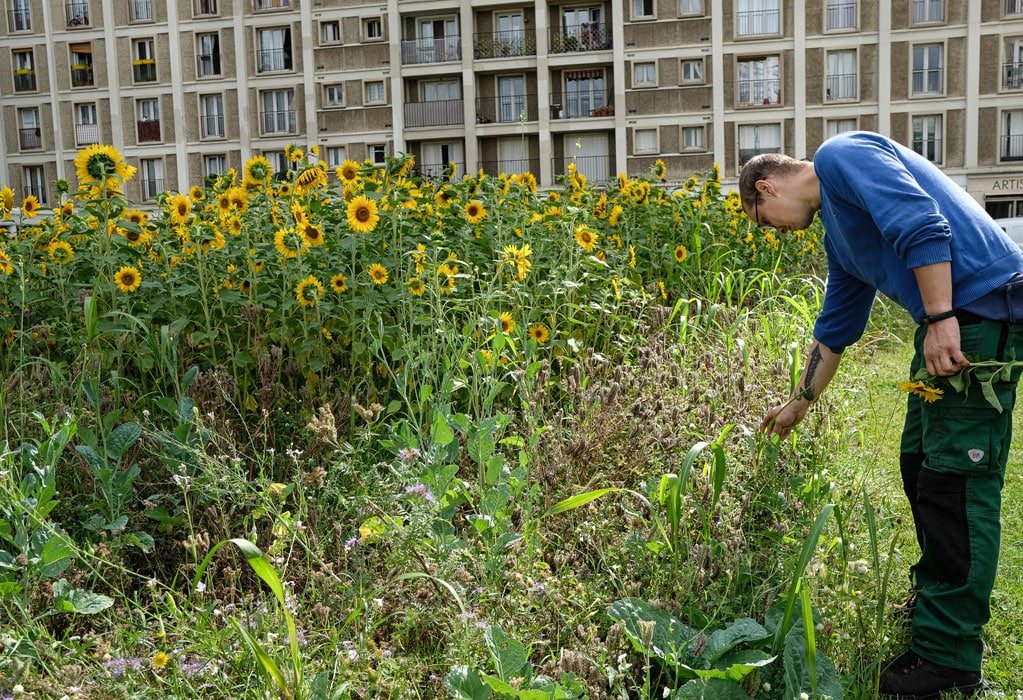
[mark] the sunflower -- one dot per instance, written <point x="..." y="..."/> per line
<point x="339" y="283"/>
<point x="67" y="208"/>
<point x="518" y="257"/>
<point x="288" y="243"/>
<point x="507" y="322"/>
<point x="128" y="279"/>
<point x="348" y="172"/>
<point x="312" y="236"/>
<point x="309" y="291"/>
<point x="309" y="179"/>
<point x="30" y="207"/>
<point x="234" y="226"/>
<point x="378" y="273"/>
<point x="681" y="253"/>
<point x="180" y="208"/>
<point x="925" y="391"/>
<point x="416" y="287"/>
<point x="616" y="215"/>
<point x="474" y="212"/>
<point x="258" y="170"/>
<point x="660" y="169"/>
<point x="196" y="193"/>
<point x="539" y="333"/>
<point x="5" y="263"/>
<point x="102" y="166"/>
<point x="134" y="235"/>
<point x="586" y="237"/>
<point x="6" y="202"/>
<point x="237" y="198"/>
<point x="362" y="214"/>
<point x="632" y="256"/>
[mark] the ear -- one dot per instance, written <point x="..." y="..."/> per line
<point x="763" y="186"/>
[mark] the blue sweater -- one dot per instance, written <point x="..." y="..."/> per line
<point x="887" y="210"/>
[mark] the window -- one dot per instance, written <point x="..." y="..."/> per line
<point x="274" y="52"/>
<point x="644" y="74"/>
<point x="584" y="92"/>
<point x="203" y="8"/>
<point x="151" y="170"/>
<point x="511" y="98"/>
<point x="841" y="83"/>
<point x="86" y="127"/>
<point x="372" y="29"/>
<point x="645" y="141"/>
<point x="148" y="119"/>
<point x="29" y="135"/>
<point x="333" y="95"/>
<point x="271" y="4"/>
<point x="692" y="138"/>
<point x="77" y="13"/>
<point x="330" y="32"/>
<point x="928" y="11"/>
<point x="375" y="92"/>
<point x="642" y="9"/>
<point x="140" y="10"/>
<point x="755" y="139"/>
<point x="212" y="116"/>
<point x="19" y="16"/>
<point x="582" y="29"/>
<point x="1012" y="135"/>
<point x="278" y="163"/>
<point x="757" y="17"/>
<point x="690" y="7"/>
<point x="336" y="155"/>
<point x="143" y="67"/>
<point x="214" y="165"/>
<point x="833" y="127"/>
<point x="759" y="80"/>
<point x="278" y="114"/>
<point x="24" y="71"/>
<point x="1014" y="7"/>
<point x="378" y="154"/>
<point x="1012" y="71"/>
<point x="927" y="137"/>
<point x="840" y="14"/>
<point x="928" y="71"/>
<point x="208" y="54"/>
<point x="692" y="70"/>
<point x="35" y="182"/>
<point x="81" y="65"/>
<point x="510" y="39"/>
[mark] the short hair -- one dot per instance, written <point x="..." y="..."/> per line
<point x="761" y="167"/>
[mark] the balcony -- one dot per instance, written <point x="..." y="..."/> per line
<point x="587" y="36"/>
<point x="24" y="80"/>
<point x="278" y="122"/>
<point x="507" y="109"/>
<point x="140" y="10"/>
<point x="841" y="87"/>
<point x="1012" y="76"/>
<point x="86" y="134"/>
<point x="77" y="14"/>
<point x="596" y="168"/>
<point x="212" y="126"/>
<point x="759" y="92"/>
<point x="259" y="5"/>
<point x="928" y="81"/>
<point x="510" y="167"/>
<point x="434" y="113"/>
<point x="580" y="104"/>
<point x="1014" y="7"/>
<point x="443" y="50"/>
<point x="272" y="60"/>
<point x="81" y="75"/>
<point x="504" y="44"/>
<point x="436" y="171"/>
<point x="144" y="71"/>
<point x="841" y="16"/>
<point x="201" y="8"/>
<point x="30" y="139"/>
<point x="19" y="20"/>
<point x="757" y="23"/>
<point x="149" y="130"/>
<point x="208" y="65"/>
<point x="1011" y="147"/>
<point x="746" y="153"/>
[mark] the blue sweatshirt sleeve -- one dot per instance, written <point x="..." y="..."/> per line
<point x="846" y="310"/>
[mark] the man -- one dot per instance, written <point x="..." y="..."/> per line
<point x="895" y="224"/>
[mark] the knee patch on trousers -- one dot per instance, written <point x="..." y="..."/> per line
<point x="941" y="504"/>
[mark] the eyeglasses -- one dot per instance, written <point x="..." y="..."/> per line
<point x="756" y="209"/>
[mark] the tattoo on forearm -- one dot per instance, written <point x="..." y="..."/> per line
<point x="811" y="368"/>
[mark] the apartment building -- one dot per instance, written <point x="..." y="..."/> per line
<point x="189" y="88"/>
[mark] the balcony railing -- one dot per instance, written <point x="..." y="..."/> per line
<point x="149" y="130"/>
<point x="271" y="4"/>
<point x="144" y="71"/>
<point x="434" y="113"/>
<point x="747" y="153"/>
<point x="19" y="20"/>
<point x="208" y="64"/>
<point x="30" y="139"/>
<point x="595" y="168"/>
<point x="759" y="92"/>
<point x="841" y="87"/>
<point x="140" y="10"/>
<point x="279" y="122"/>
<point x="270" y="60"/>
<point x="580" y="104"/>
<point x="1012" y="147"/>
<point x="86" y="134"/>
<point x="204" y="7"/>
<point x="513" y="166"/>
<point x="841" y="16"/>
<point x="434" y="171"/>
<point x="24" y="82"/>
<point x="506" y="109"/>
<point x="212" y="126"/>
<point x="927" y="81"/>
<point x="587" y="36"/>
<point x="151" y="187"/>
<point x="445" y="49"/>
<point x="928" y="11"/>
<point x="757" y="22"/>
<point x="504" y="44"/>
<point x="77" y="14"/>
<point x="928" y="148"/>
<point x="81" y="76"/>
<point x="1012" y="76"/>
<point x="1014" y="7"/>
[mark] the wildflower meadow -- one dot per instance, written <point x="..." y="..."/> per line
<point x="355" y="433"/>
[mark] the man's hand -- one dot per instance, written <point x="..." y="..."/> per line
<point x="942" y="350"/>
<point x="780" y="420"/>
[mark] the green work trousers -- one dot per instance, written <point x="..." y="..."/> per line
<point x="953" y="459"/>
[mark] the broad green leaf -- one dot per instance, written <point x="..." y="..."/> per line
<point x="671" y="637"/>
<point x="465" y="684"/>
<point x="440" y="432"/>
<point x="739" y="632"/>
<point x="509" y="654"/>
<point x="95" y="461"/>
<point x="56" y="557"/>
<point x="713" y="689"/>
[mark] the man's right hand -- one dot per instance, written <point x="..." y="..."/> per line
<point x="780" y="420"/>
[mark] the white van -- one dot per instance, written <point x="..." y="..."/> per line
<point x="1013" y="227"/>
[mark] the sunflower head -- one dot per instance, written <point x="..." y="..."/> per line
<point x="30" y="207"/>
<point x="258" y="169"/>
<point x="659" y="169"/>
<point x="474" y="211"/>
<point x="362" y="214"/>
<point x="378" y="273"/>
<point x="102" y="166"/>
<point x="507" y="322"/>
<point x="539" y="333"/>
<point x="309" y="291"/>
<point x="6" y="202"/>
<point x="128" y="279"/>
<point x="339" y="283"/>
<point x="60" y="252"/>
<point x="681" y="253"/>
<point x="586" y="237"/>
<point x="348" y="172"/>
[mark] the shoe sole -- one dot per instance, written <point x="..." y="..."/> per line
<point x="967" y="691"/>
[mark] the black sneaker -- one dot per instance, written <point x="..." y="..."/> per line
<point x="910" y="677"/>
